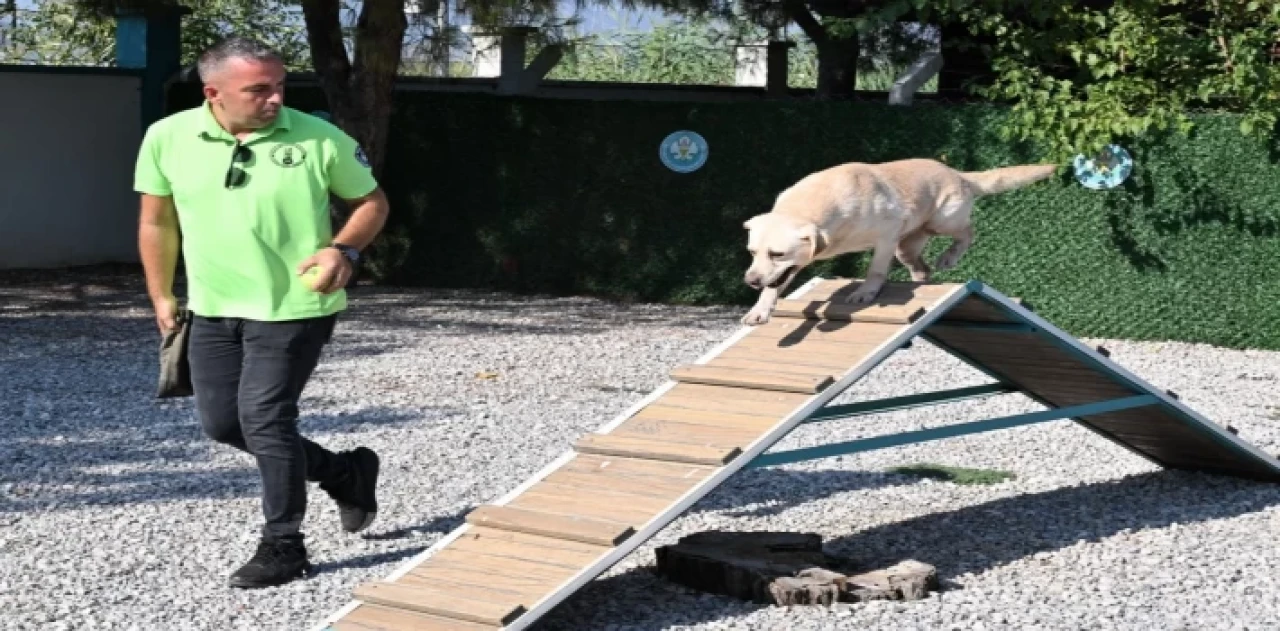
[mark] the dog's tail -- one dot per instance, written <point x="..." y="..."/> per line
<point x="1008" y="178"/>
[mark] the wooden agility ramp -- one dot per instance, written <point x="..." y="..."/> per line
<point x="517" y="558"/>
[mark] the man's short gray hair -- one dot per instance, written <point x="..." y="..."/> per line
<point x="233" y="47"/>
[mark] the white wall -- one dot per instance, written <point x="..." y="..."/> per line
<point x="67" y="148"/>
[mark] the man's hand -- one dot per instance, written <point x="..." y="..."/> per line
<point x="335" y="270"/>
<point x="166" y="313"/>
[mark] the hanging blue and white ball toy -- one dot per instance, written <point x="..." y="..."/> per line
<point x="1110" y="168"/>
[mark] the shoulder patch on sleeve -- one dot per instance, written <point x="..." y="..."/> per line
<point x="361" y="157"/>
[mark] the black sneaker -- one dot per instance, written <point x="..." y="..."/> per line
<point x="275" y="563"/>
<point x="356" y="493"/>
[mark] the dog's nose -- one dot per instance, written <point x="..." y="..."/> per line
<point x="753" y="280"/>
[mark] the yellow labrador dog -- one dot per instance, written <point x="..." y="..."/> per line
<point x="891" y="208"/>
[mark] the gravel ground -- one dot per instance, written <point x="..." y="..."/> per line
<point x="115" y="512"/>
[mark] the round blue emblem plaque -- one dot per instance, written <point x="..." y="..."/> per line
<point x="683" y="151"/>
<point x="1108" y="169"/>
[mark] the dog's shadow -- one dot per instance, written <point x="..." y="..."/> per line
<point x="891" y="296"/>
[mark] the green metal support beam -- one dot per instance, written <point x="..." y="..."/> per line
<point x="950" y="431"/>
<point x="862" y="408"/>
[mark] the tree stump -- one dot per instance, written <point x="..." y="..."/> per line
<point x="783" y="568"/>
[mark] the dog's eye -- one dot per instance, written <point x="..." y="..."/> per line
<point x="775" y="255"/>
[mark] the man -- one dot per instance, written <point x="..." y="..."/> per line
<point x="247" y="181"/>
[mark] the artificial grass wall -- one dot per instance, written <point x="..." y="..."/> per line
<point x="560" y="196"/>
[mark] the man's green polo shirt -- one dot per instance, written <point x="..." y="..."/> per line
<point x="242" y="245"/>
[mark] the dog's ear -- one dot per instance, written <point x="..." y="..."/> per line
<point x="809" y="237"/>
<point x="750" y="224"/>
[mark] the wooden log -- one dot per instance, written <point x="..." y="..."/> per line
<point x="783" y="568"/>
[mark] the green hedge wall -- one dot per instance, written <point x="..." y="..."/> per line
<point x="556" y="196"/>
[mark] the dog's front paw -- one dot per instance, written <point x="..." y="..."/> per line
<point x="756" y="317"/>
<point x="862" y="297"/>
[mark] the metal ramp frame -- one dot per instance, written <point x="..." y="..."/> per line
<point x="520" y="556"/>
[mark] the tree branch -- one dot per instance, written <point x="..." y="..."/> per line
<point x="799" y="13"/>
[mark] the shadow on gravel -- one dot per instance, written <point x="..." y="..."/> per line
<point x="440" y="525"/>
<point x="985" y="536"/>
<point x="972" y="539"/>
<point x="65" y="464"/>
<point x="774" y="491"/>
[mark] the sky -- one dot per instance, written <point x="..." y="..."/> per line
<point x="594" y="19"/>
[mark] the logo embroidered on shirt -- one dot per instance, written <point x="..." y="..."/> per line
<point x="361" y="157"/>
<point x="288" y="155"/>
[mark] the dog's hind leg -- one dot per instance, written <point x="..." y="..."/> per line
<point x="877" y="272"/>
<point x="910" y="251"/>
<point x="962" y="239"/>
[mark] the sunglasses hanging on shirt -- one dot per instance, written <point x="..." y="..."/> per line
<point x="236" y="176"/>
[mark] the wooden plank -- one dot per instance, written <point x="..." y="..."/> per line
<point x="549" y="547"/>
<point x="707" y="417"/>
<point x="638" y="447"/>
<point x="475" y="578"/>
<point x="751" y="379"/>
<point x="575" y="505"/>
<point x="1048" y="360"/>
<point x="371" y="617"/>
<point x="677" y="432"/>
<point x="519" y="551"/>
<point x="973" y="309"/>
<point x="746" y="407"/>
<point x="725" y="393"/>
<point x="591" y="464"/>
<point x="477" y="586"/>
<point x="643" y="506"/>
<point x="836" y="362"/>
<point x="838" y="288"/>
<point x="798" y="368"/>
<point x="776" y="343"/>
<point x="652" y="487"/>
<point x="431" y="601"/>
<point x="594" y="531"/>
<point x="792" y="332"/>
<point x="537" y="569"/>
<point x="845" y="312"/>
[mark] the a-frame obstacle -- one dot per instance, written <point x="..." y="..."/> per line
<point x="515" y="559"/>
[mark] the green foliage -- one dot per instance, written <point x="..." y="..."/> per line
<point x="700" y="51"/>
<point x="64" y="32"/>
<point x="1079" y="78"/>
<point x="955" y="475"/>
<point x="59" y="33"/>
<point x="692" y="52"/>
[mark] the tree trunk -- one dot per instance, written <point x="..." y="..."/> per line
<point x="360" y="94"/>
<point x="837" y="67"/>
<point x="837" y="57"/>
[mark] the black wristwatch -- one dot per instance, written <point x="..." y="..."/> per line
<point x="351" y="254"/>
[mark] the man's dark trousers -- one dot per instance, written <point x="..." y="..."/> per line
<point x="248" y="376"/>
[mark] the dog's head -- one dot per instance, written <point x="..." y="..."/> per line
<point x="780" y="247"/>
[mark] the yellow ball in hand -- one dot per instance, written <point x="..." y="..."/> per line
<point x="311" y="278"/>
